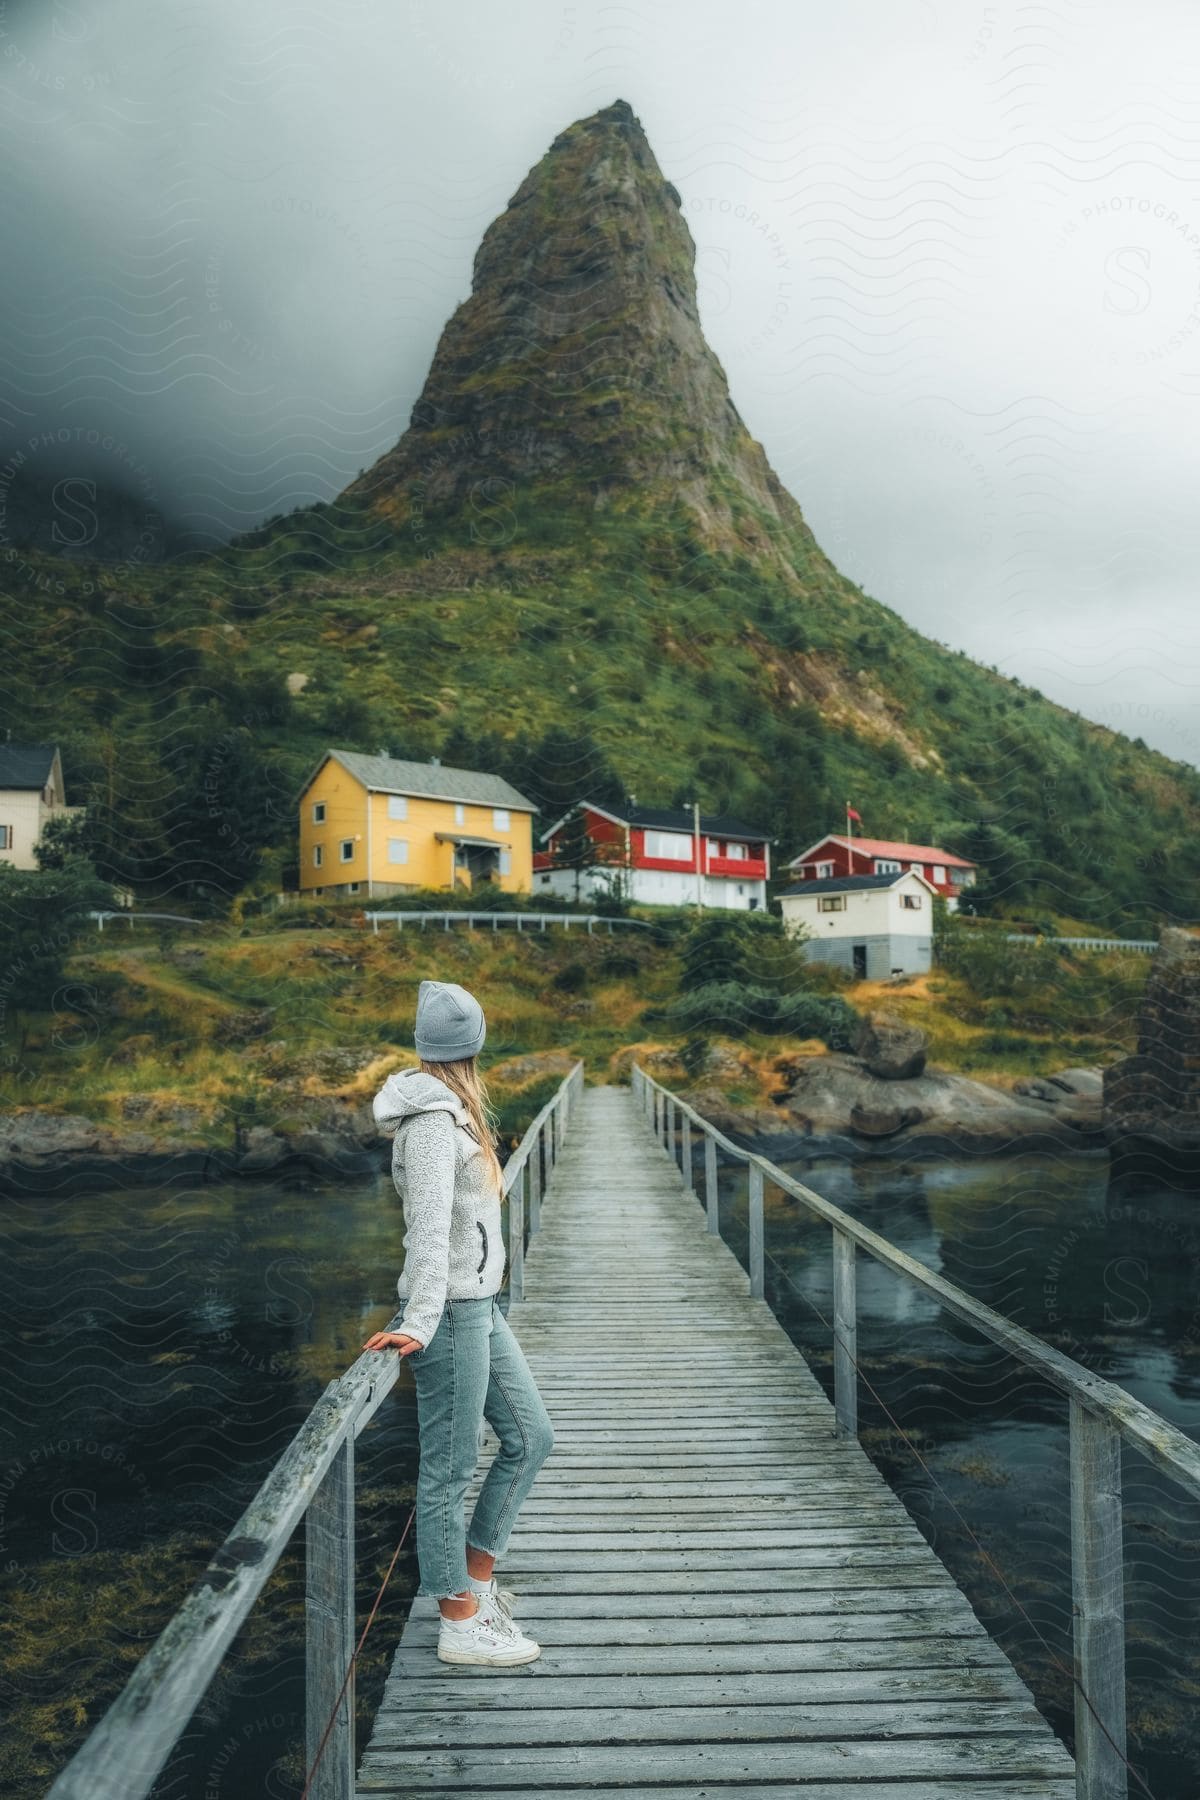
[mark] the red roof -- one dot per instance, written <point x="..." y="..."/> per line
<point x="886" y="847"/>
<point x="910" y="852"/>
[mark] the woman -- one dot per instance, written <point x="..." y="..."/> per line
<point x="466" y="1363"/>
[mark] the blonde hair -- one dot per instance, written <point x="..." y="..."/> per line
<point x="464" y="1080"/>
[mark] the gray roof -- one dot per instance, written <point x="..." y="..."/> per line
<point x="26" y="765"/>
<point x="840" y="884"/>
<point x="431" y="781"/>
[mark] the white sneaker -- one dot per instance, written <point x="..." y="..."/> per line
<point x="489" y="1636"/>
<point x="504" y="1598"/>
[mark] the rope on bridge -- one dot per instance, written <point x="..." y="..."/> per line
<point x="308" y="1779"/>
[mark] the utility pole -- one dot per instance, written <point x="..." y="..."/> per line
<point x="699" y="874"/>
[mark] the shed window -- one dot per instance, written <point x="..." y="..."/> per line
<point x="912" y="902"/>
<point x="347" y="849"/>
<point x="397" y="850"/>
<point x="831" y="902"/>
<point x="397" y="806"/>
<point x="318" y="812"/>
<point x="499" y="818"/>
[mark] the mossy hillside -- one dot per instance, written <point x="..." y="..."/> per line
<point x="575" y="541"/>
<point x="295" y="1018"/>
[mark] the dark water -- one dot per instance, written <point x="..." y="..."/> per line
<point x="161" y="1348"/>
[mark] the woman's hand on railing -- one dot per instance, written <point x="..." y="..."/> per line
<point x="394" y="1340"/>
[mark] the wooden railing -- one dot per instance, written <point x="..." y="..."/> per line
<point x="313" y="1480"/>
<point x="1101" y="1415"/>
<point x="521" y="920"/>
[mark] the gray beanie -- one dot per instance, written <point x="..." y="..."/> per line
<point x="450" y="1022"/>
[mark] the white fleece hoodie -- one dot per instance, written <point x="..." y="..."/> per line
<point x="453" y="1242"/>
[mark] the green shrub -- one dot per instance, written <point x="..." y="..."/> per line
<point x="736" y="1008"/>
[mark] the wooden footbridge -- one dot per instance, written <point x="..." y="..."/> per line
<point x="731" y="1602"/>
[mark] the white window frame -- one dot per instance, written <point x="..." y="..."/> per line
<point x="886" y="865"/>
<point x="501" y="820"/>
<point x="397" y="850"/>
<point x="910" y="902"/>
<point x="318" y="812"/>
<point x="736" y="852"/>
<point x="352" y="887"/>
<point x="831" y="902"/>
<point x="346" y="844"/>
<point x="824" y="871"/>
<point x="918" y="868"/>
<point x="460" y="813"/>
<point x="397" y="806"/>
<point x="318" y="855"/>
<point x="939" y="873"/>
<point x="505" y="862"/>
<point x="670" y="846"/>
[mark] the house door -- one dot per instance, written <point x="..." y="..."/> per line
<point x="859" y="953"/>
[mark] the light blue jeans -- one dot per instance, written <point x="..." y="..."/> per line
<point x="472" y="1369"/>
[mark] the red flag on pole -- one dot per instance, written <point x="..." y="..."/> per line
<point x="851" y="814"/>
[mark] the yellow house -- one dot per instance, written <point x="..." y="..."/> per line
<point x="375" y="826"/>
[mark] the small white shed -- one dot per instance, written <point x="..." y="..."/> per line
<point x="873" y="925"/>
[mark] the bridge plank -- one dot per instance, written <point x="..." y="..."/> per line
<point x="730" y="1599"/>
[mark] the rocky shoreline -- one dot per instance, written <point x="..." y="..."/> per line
<point x="52" y="1152"/>
<point x="332" y="1135"/>
<point x="883" y="1101"/>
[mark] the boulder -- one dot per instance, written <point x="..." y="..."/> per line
<point x="890" y="1048"/>
<point x="882" y="1121"/>
<point x="834" y="1104"/>
<point x="534" y="1067"/>
<point x="1151" y="1100"/>
<point x="261" y="1150"/>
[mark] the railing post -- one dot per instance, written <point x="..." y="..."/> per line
<point x="756" y="1232"/>
<point x="1097" y="1583"/>
<point x="711" y="1193"/>
<point x="516" y="1241"/>
<point x="329" y="1628"/>
<point x="533" y="1168"/>
<point x="845" y="1336"/>
<point x="685" y="1156"/>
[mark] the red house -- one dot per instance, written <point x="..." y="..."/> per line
<point x="837" y="854"/>
<point x="658" y="856"/>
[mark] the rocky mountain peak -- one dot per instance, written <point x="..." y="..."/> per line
<point x="579" y="365"/>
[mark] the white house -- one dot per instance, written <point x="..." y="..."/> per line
<point x="873" y="925"/>
<point x="31" y="793"/>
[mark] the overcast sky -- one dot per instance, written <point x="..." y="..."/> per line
<point x="949" y="255"/>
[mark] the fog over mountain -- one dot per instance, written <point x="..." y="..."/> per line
<point x="948" y="259"/>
